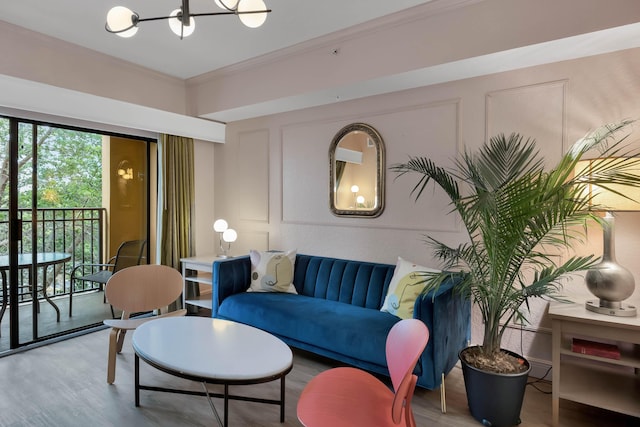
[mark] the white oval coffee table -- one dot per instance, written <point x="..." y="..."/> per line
<point x="212" y="351"/>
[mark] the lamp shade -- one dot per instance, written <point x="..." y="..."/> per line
<point x="229" y="235"/>
<point x="176" y="26"/>
<point x="227" y="4"/>
<point x="252" y="20"/>
<point x="220" y="226"/>
<point x="614" y="197"/>
<point x="122" y="21"/>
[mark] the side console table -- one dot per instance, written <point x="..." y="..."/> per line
<point x="196" y="274"/>
<point x="597" y="381"/>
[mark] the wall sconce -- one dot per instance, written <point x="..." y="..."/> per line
<point x="125" y="171"/>
<point x="608" y="280"/>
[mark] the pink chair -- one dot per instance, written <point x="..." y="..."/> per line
<point x="138" y="289"/>
<point x="351" y="397"/>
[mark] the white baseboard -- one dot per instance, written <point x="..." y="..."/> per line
<point x="540" y="368"/>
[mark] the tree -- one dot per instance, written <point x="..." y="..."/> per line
<point x="69" y="166"/>
<point x="69" y="175"/>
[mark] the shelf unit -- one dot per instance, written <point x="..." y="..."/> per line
<point x="592" y="380"/>
<point x="197" y="270"/>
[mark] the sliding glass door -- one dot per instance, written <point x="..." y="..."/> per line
<point x="68" y="198"/>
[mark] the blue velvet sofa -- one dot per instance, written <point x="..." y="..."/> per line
<point x="336" y="313"/>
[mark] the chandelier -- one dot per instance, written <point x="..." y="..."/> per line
<point x="124" y="22"/>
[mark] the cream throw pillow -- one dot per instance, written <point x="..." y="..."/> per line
<point x="272" y="271"/>
<point x="404" y="289"/>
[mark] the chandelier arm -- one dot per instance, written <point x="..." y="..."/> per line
<point x="248" y="12"/>
<point x="157" y="18"/>
<point x="212" y="14"/>
<point x="230" y="13"/>
<point x="109" y="30"/>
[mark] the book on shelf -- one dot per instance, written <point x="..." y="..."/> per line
<point x="594" y="348"/>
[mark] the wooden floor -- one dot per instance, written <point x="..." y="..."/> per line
<point x="88" y="309"/>
<point x="64" y="384"/>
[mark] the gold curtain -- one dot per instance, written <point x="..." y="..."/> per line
<point x="178" y="213"/>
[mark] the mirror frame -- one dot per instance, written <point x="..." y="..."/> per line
<point x="380" y="171"/>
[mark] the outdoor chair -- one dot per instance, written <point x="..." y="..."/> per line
<point x="350" y="397"/>
<point x="129" y="253"/>
<point x="139" y="289"/>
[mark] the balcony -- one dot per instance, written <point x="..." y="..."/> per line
<point x="79" y="232"/>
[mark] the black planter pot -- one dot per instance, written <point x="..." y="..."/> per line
<point x="495" y="399"/>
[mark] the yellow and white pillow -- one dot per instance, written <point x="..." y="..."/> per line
<point x="272" y="271"/>
<point x="405" y="287"/>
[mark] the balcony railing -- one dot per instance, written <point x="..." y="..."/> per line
<point x="77" y="231"/>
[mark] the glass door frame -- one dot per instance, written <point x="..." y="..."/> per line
<point x="15" y="225"/>
<point x="15" y="234"/>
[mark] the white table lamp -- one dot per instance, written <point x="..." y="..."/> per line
<point x="229" y="235"/>
<point x="220" y="226"/>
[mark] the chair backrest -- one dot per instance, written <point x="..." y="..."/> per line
<point x="406" y="341"/>
<point x="129" y="254"/>
<point x="143" y="288"/>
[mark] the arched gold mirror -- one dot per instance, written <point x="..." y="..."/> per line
<point x="356" y="172"/>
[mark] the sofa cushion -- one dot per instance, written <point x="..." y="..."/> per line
<point x="406" y="285"/>
<point x="272" y="271"/>
<point x="359" y="283"/>
<point x="360" y="333"/>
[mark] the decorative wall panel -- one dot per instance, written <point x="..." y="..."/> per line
<point x="535" y="111"/>
<point x="252" y="176"/>
<point x="425" y="130"/>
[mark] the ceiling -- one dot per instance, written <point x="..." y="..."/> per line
<point x="218" y="41"/>
<point x="292" y="26"/>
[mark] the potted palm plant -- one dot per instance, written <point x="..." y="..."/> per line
<point x="518" y="216"/>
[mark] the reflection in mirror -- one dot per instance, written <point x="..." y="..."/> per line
<point x="356" y="163"/>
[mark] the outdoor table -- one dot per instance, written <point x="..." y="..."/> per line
<point x="44" y="260"/>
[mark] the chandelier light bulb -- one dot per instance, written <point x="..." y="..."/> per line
<point x="227" y="4"/>
<point x="176" y="24"/>
<point x="122" y="21"/>
<point x="252" y="20"/>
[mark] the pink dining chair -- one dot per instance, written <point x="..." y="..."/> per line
<point x="351" y="397"/>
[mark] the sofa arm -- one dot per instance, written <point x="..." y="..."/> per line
<point x="229" y="276"/>
<point x="447" y="314"/>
